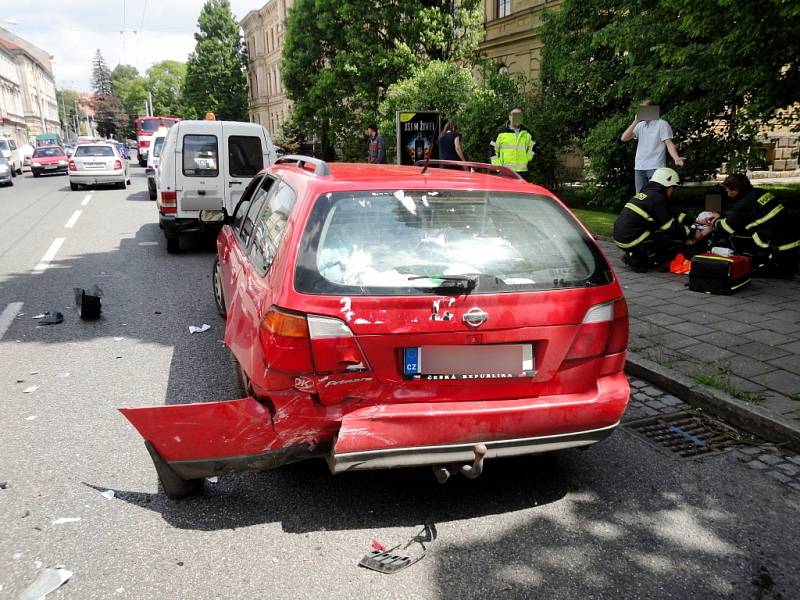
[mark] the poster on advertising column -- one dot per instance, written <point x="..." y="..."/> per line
<point x="417" y="133"/>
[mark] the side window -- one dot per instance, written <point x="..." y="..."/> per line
<point x="270" y="226"/>
<point x="244" y="203"/>
<point x="200" y="156"/>
<point x="256" y="203"/>
<point x="245" y="158"/>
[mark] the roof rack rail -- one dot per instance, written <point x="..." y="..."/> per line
<point x="321" y="167"/>
<point x="472" y="167"/>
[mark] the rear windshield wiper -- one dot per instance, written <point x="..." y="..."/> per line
<point x="451" y="282"/>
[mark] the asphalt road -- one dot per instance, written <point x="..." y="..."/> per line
<point x="621" y="520"/>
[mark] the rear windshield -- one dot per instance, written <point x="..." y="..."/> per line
<point x="418" y="242"/>
<point x="39" y="152"/>
<point x="94" y="151"/>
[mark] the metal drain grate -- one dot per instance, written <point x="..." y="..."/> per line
<point x="686" y="434"/>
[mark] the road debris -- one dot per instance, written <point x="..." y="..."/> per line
<point x="118" y="339"/>
<point x="32" y="418"/>
<point x="214" y="479"/>
<point x="62" y="520"/>
<point x="108" y="494"/>
<point x="48" y="580"/>
<point x="62" y="375"/>
<point x="3" y="485"/>
<point x="30" y="389"/>
<point x="201" y="329"/>
<point x="33" y="373"/>
<point x="391" y="561"/>
<point x="376" y="545"/>
<point x="88" y="304"/>
<point x="51" y="317"/>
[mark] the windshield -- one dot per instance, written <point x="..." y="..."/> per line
<point x="416" y="242"/>
<point x="94" y="151"/>
<point x="40" y="152"/>
<point x="151" y="125"/>
<point x="157" y="145"/>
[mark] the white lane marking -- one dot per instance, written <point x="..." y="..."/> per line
<point x="73" y="219"/>
<point x="49" y="255"/>
<point x="86" y="200"/>
<point x="8" y="315"/>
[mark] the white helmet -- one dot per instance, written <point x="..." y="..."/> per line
<point x="666" y="177"/>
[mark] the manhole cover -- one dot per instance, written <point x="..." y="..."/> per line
<point x="686" y="434"/>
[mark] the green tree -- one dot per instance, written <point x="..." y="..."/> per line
<point x="215" y="72"/>
<point x="165" y="81"/>
<point x="102" y="84"/>
<point x="68" y="103"/>
<point x="341" y="56"/>
<point x="131" y="89"/>
<point x="110" y="116"/>
<point x="719" y="71"/>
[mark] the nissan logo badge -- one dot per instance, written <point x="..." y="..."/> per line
<point x="475" y="317"/>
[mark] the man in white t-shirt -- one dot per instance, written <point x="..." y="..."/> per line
<point x="654" y="141"/>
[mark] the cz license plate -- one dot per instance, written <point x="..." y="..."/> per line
<point x="51" y="166"/>
<point x="496" y="361"/>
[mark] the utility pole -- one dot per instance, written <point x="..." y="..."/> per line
<point x="150" y="98"/>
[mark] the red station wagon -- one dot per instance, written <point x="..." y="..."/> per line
<point x="389" y="316"/>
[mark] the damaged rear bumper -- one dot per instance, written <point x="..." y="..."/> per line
<point x="462" y="453"/>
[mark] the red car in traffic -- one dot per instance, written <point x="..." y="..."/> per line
<point x="49" y="159"/>
<point x="387" y="316"/>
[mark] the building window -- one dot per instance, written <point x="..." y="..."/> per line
<point x="503" y="8"/>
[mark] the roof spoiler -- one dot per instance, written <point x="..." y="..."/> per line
<point x="320" y="166"/>
<point x="472" y="167"/>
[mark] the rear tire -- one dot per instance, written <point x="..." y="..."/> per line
<point x="36" y="173"/>
<point x="219" y="295"/>
<point x="151" y="189"/>
<point x="142" y="163"/>
<point x="73" y="186"/>
<point x="121" y="185"/>
<point x="13" y="171"/>
<point x="173" y="245"/>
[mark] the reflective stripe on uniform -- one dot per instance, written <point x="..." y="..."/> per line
<point x="638" y="240"/>
<point x="724" y="224"/>
<point x="759" y="242"/>
<point x="517" y="167"/>
<point x="667" y="225"/>
<point x="639" y="211"/>
<point x="790" y="246"/>
<point x="512" y="147"/>
<point x="765" y="218"/>
<point x="681" y="217"/>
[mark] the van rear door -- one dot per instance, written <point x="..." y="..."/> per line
<point x="246" y="151"/>
<point x="198" y="170"/>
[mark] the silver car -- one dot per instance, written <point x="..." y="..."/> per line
<point x="5" y="171"/>
<point x="93" y="164"/>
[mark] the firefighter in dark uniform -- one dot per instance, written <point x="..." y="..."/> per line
<point x="758" y="225"/>
<point x="646" y="230"/>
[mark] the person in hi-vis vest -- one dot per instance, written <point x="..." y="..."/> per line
<point x="513" y="147"/>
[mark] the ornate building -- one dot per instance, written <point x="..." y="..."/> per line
<point x="28" y="104"/>
<point x="263" y="34"/>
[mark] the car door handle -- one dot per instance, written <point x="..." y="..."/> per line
<point x="232" y="183"/>
<point x="201" y="192"/>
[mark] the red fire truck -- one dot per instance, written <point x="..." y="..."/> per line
<point x="145" y="128"/>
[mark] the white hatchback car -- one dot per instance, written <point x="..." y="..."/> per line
<point x="93" y="164"/>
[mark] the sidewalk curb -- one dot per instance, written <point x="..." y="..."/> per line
<point x="737" y="412"/>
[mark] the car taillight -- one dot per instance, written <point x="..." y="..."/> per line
<point x="285" y="342"/>
<point x="603" y="331"/>
<point x="169" y="202"/>
<point x="333" y="346"/>
<point x="144" y="143"/>
<point x="117" y="165"/>
<point x="72" y="166"/>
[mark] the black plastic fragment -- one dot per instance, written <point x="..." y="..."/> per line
<point x="88" y="304"/>
<point x="51" y="317"/>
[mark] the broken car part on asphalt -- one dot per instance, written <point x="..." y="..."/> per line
<point x="88" y="304"/>
<point x="48" y="580"/>
<point x="391" y="561"/>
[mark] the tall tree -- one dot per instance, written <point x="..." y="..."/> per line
<point x="720" y="71"/>
<point x="341" y="56"/>
<point x="110" y="114"/>
<point x="102" y="84"/>
<point x="165" y="81"/>
<point x="215" y="71"/>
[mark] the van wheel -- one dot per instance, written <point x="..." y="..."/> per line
<point x="19" y="170"/>
<point x="173" y="245"/>
<point x="219" y="296"/>
<point x="13" y="172"/>
<point x="73" y="186"/>
<point x="151" y="190"/>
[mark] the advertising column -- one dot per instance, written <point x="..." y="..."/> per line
<point x="417" y="133"/>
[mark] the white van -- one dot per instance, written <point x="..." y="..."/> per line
<point x="156" y="145"/>
<point x="12" y="154"/>
<point x="206" y="165"/>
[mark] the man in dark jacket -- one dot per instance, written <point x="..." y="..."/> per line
<point x="758" y="225"/>
<point x="645" y="229"/>
<point x="376" y="149"/>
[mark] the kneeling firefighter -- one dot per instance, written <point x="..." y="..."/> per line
<point x="646" y="230"/>
<point x="758" y="225"/>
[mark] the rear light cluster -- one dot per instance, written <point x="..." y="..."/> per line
<point x="300" y="344"/>
<point x="603" y="331"/>
<point x="144" y="143"/>
<point x="169" y="202"/>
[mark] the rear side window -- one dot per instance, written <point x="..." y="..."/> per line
<point x="94" y="151"/>
<point x="157" y="145"/>
<point x="417" y="242"/>
<point x="256" y="203"/>
<point x="200" y="156"/>
<point x="271" y="225"/>
<point x="244" y="156"/>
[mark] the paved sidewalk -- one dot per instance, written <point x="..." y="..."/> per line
<point x="746" y="345"/>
